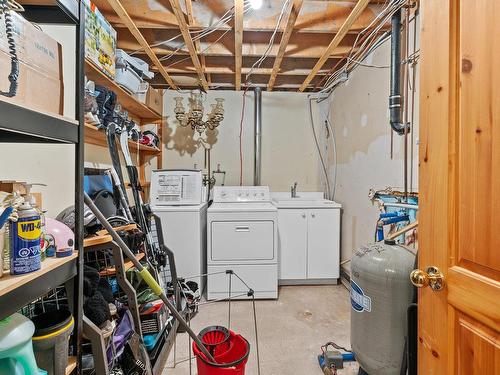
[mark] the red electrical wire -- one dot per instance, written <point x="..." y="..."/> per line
<point x="241" y="134"/>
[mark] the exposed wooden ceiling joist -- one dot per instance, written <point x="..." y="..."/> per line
<point x="255" y="43"/>
<point x="346" y="26"/>
<point x="189" y="41"/>
<point x="226" y="64"/>
<point x="238" y="41"/>
<point x="285" y="37"/>
<point x="308" y="45"/>
<point x="192" y="22"/>
<point x="316" y="16"/>
<point x="122" y="13"/>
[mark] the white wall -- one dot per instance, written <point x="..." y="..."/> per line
<point x="360" y="117"/>
<point x="288" y="152"/>
<point x="49" y="164"/>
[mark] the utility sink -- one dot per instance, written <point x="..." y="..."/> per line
<point x="302" y="200"/>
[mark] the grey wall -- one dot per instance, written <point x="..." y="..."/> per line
<point x="360" y="119"/>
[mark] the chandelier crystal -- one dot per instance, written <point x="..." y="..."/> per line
<point x="194" y="117"/>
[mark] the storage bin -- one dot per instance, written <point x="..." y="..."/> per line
<point x="142" y="93"/>
<point x="100" y="40"/>
<point x="128" y="79"/>
<point x="50" y="340"/>
<point x="40" y="82"/>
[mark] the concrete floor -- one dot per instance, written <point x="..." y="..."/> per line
<point x="291" y="330"/>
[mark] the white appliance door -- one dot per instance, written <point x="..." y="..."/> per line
<point x="242" y="240"/>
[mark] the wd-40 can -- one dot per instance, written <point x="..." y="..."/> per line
<point x="25" y="241"/>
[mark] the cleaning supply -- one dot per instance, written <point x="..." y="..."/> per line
<point x="146" y="275"/>
<point x="229" y="350"/>
<point x="25" y="240"/>
<point x="16" y="349"/>
<point x="50" y="340"/>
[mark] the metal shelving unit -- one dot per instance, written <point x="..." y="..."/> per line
<point x="23" y="125"/>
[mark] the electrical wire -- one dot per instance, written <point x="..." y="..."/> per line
<point x="270" y="45"/>
<point x="311" y="118"/>
<point x="241" y="135"/>
<point x="371" y="39"/>
<point x="225" y="18"/>
<point x="334" y="144"/>
<point x="205" y="32"/>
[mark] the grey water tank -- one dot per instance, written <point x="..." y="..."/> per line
<point x="380" y="294"/>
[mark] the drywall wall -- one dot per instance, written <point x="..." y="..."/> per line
<point x="49" y="164"/>
<point x="288" y="151"/>
<point x="360" y="118"/>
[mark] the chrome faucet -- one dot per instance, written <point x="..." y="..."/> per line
<point x="293" y="190"/>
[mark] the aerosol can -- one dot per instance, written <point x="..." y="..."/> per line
<point x="25" y="236"/>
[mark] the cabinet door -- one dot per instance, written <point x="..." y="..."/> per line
<point x="292" y="243"/>
<point x="323" y="243"/>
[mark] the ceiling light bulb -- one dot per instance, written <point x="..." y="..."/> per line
<point x="256" y="4"/>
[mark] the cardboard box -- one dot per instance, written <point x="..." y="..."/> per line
<point x="100" y="40"/>
<point x="40" y="82"/>
<point x="154" y="100"/>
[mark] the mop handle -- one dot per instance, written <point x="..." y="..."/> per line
<point x="146" y="276"/>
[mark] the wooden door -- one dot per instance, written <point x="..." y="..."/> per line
<point x="292" y="243"/>
<point x="460" y="186"/>
<point x="323" y="243"/>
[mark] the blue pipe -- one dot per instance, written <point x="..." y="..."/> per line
<point x="348" y="357"/>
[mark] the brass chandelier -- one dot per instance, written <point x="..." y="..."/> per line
<point x="194" y="117"/>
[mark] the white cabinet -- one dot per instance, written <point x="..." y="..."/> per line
<point x="292" y="243"/>
<point x="323" y="243"/>
<point x="309" y="242"/>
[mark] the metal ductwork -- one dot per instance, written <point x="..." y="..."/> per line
<point x="257" y="164"/>
<point x="395" y="99"/>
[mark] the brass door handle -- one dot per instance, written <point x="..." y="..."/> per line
<point x="432" y="277"/>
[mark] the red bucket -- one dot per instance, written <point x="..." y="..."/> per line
<point x="230" y="355"/>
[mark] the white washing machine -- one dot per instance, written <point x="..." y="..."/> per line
<point x="242" y="237"/>
<point x="176" y="196"/>
<point x="185" y="233"/>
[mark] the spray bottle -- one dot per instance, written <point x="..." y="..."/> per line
<point x="25" y="236"/>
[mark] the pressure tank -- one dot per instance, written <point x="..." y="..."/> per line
<point x="380" y="294"/>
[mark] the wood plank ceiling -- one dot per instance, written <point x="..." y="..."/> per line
<point x="313" y="36"/>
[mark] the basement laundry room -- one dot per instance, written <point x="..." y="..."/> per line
<point x="249" y="187"/>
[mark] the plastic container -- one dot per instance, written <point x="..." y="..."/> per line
<point x="140" y="66"/>
<point x="50" y="340"/>
<point x="142" y="93"/>
<point x="230" y="359"/>
<point x="16" y="350"/>
<point x="128" y="79"/>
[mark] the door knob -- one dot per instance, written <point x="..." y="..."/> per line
<point x="432" y="277"/>
<point x="313" y="215"/>
<point x="303" y="215"/>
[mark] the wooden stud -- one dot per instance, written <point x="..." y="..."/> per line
<point x="238" y="41"/>
<point x="353" y="16"/>
<point x="192" y="23"/>
<point x="292" y="17"/>
<point x="189" y="41"/>
<point x="122" y="13"/>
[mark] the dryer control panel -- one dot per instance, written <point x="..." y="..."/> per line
<point x="228" y="194"/>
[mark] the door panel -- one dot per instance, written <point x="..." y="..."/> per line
<point x="242" y="240"/>
<point x="459" y="181"/>
<point x="292" y="244"/>
<point x="479" y="137"/>
<point x="323" y="244"/>
<point x="478" y="349"/>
